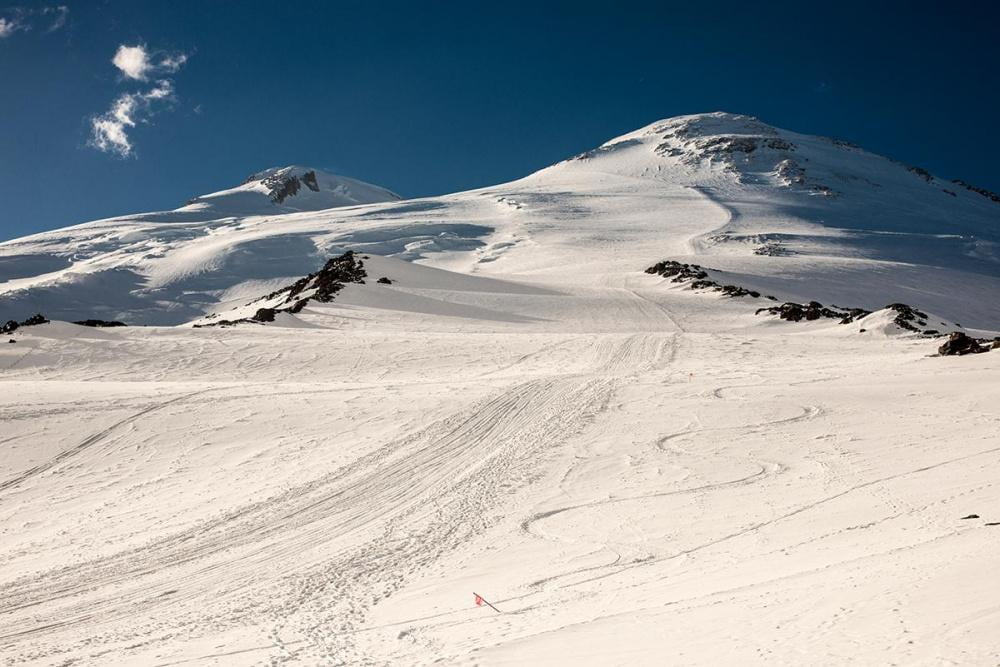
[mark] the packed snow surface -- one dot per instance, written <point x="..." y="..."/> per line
<point x="631" y="471"/>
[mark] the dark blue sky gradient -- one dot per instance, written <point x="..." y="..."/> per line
<point x="435" y="97"/>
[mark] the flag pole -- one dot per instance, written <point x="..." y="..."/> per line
<point x="487" y="602"/>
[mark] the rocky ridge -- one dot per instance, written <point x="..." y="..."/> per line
<point x="906" y="317"/>
<point x="321" y="286"/>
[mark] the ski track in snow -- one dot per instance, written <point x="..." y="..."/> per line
<point x="89" y="442"/>
<point x="313" y="567"/>
<point x="416" y="476"/>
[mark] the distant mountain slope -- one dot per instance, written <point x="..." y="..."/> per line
<point x="166" y="267"/>
<point x="288" y="190"/>
<point x="796" y="216"/>
<point x="810" y="217"/>
<point x="817" y="195"/>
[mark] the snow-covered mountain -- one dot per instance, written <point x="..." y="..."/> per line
<point x="166" y="267"/>
<point x="798" y="216"/>
<point x="504" y="395"/>
<point x="287" y="190"/>
<point x="810" y="217"/>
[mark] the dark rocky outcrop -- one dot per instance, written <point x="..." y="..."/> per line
<point x="282" y="186"/>
<point x="908" y="317"/>
<point x="100" y="323"/>
<point x="309" y="180"/>
<point x="321" y="286"/>
<point x="347" y="268"/>
<point x="264" y="315"/>
<point x="960" y="344"/>
<point x="921" y="172"/>
<point x="384" y="281"/>
<point x="698" y="277"/>
<point x="736" y="290"/>
<point x="772" y="249"/>
<point x="793" y="174"/>
<point x="11" y="326"/>
<point x="741" y="144"/>
<point x="728" y="145"/>
<point x="779" y="144"/>
<point x="814" y="310"/>
<point x="992" y="196"/>
<point x="678" y="271"/>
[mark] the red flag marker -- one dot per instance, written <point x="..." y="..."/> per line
<point x="480" y="601"/>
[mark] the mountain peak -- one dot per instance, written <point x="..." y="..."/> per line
<point x="720" y="148"/>
<point x="289" y="189"/>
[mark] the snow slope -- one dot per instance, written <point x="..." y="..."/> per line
<point x="167" y="267"/>
<point x="626" y="471"/>
<point x="631" y="471"/>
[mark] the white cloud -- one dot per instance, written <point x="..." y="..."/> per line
<point x="109" y="136"/>
<point x="133" y="61"/>
<point x="164" y="90"/>
<point x="109" y="132"/>
<point x="9" y="26"/>
<point x="138" y="63"/>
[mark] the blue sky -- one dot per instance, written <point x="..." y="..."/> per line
<point x="435" y="97"/>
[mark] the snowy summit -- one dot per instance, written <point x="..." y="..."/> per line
<point x="287" y="190"/>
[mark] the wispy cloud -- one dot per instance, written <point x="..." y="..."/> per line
<point x="19" y="19"/>
<point x="109" y="132"/>
<point x="8" y="27"/>
<point x="138" y="63"/>
<point x="57" y="15"/>
<point x="173" y="62"/>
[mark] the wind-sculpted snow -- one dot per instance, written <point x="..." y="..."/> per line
<point x="172" y="273"/>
